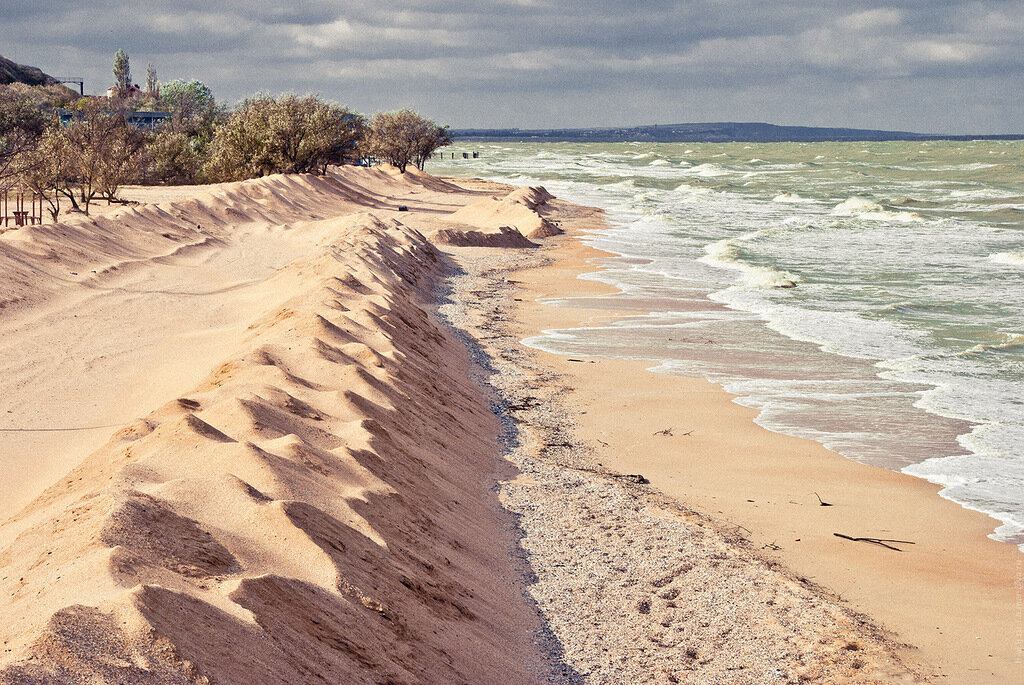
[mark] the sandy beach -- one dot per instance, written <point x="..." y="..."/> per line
<point x="285" y="430"/>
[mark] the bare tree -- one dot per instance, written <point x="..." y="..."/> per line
<point x="123" y="161"/>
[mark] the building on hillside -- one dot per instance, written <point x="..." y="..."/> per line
<point x="133" y="92"/>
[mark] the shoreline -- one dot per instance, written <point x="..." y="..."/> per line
<point x="604" y="316"/>
<point x="953" y="594"/>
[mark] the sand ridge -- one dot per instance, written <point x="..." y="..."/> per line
<point x="317" y="506"/>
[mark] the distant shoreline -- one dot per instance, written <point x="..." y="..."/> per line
<point x="717" y="132"/>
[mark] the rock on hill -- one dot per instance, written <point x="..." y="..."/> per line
<point x="10" y="72"/>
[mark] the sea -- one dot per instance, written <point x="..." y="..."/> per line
<point x="866" y="295"/>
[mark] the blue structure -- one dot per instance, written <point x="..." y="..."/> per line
<point x="140" y="119"/>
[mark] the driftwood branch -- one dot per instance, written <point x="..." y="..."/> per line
<point x="876" y="541"/>
<point x="668" y="431"/>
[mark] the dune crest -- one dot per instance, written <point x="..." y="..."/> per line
<point x="310" y="511"/>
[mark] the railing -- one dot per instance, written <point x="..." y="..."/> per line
<point x="20" y="216"/>
<point x="73" y="79"/>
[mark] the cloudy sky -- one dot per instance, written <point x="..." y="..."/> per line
<point x="946" y="66"/>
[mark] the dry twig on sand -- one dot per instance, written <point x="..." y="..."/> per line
<point x="876" y="541"/>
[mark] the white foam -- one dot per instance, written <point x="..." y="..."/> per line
<point x="725" y="254"/>
<point x="660" y="162"/>
<point x="855" y="205"/>
<point x="1013" y="258"/>
<point x="790" y="198"/>
<point x="863" y="208"/>
<point x="707" y="170"/>
<point x="693" y="190"/>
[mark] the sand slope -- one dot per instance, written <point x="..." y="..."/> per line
<point x="308" y="499"/>
<point x="506" y="220"/>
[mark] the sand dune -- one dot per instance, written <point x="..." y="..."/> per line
<point x="286" y="473"/>
<point x="506" y="220"/>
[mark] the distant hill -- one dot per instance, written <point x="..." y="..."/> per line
<point x="719" y="132"/>
<point x="11" y="72"/>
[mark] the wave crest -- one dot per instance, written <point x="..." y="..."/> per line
<point x="726" y="254"/>
<point x="864" y="208"/>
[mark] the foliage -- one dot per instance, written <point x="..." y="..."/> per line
<point x="289" y="134"/>
<point x="190" y="98"/>
<point x="25" y="112"/>
<point x="122" y="73"/>
<point x="404" y="137"/>
<point x="47" y="169"/>
<point x="98" y="150"/>
<point x="194" y="115"/>
<point x="173" y="156"/>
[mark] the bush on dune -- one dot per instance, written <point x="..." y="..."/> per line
<point x="290" y="134"/>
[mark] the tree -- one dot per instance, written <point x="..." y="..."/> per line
<point x="152" y="86"/>
<point x="173" y="156"/>
<point x="25" y="113"/>
<point x="188" y="99"/>
<point x="22" y="122"/>
<point x="289" y="134"/>
<point x="122" y="73"/>
<point x="122" y="161"/>
<point x="404" y="137"/>
<point x="102" y="152"/>
<point x="47" y="169"/>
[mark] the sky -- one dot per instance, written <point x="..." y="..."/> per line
<point x="931" y="66"/>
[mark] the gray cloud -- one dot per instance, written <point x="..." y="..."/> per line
<point x="929" y="65"/>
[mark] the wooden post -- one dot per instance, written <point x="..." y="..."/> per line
<point x="19" y="213"/>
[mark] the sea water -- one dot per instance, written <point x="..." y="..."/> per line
<point x="869" y="296"/>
